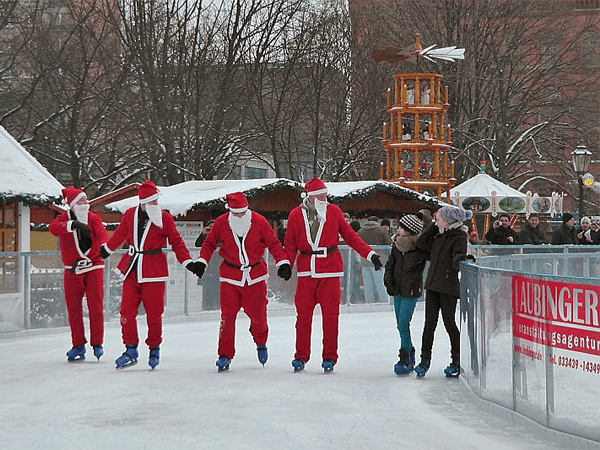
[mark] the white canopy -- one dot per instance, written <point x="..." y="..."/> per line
<point x="21" y="175"/>
<point x="484" y="194"/>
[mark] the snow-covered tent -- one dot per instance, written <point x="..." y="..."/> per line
<point x="486" y="195"/>
<point x="24" y="182"/>
<point x="276" y="197"/>
<point x="183" y="199"/>
<point x="378" y="197"/>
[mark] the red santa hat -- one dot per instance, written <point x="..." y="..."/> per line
<point x="147" y="192"/>
<point x="314" y="187"/>
<point x="71" y="195"/>
<point x="236" y="202"/>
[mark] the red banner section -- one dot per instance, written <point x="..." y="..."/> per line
<point x="556" y="314"/>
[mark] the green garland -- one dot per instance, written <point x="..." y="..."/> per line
<point x="30" y="200"/>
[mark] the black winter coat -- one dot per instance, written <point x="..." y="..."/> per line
<point x="564" y="236"/>
<point x="530" y="235"/>
<point x="404" y="273"/>
<point x="445" y="251"/>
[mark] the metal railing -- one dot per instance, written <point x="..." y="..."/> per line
<point x="32" y="294"/>
<point x="530" y="333"/>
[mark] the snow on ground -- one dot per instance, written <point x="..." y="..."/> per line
<point x="184" y="403"/>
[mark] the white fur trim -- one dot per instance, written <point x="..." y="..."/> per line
<point x="321" y="191"/>
<point x="149" y="199"/>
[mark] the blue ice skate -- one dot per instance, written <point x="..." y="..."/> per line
<point x="406" y="363"/>
<point x="327" y="365"/>
<point x="298" y="365"/>
<point x="263" y="354"/>
<point x="154" y="358"/>
<point x="423" y="367"/>
<point x="223" y="363"/>
<point x="76" y="354"/>
<point x="129" y="358"/>
<point x="453" y="370"/>
<point x="98" y="351"/>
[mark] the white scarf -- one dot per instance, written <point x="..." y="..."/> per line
<point x="321" y="208"/>
<point x="81" y="212"/>
<point x="155" y="214"/>
<point x="240" y="225"/>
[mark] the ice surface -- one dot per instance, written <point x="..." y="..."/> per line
<point x="47" y="403"/>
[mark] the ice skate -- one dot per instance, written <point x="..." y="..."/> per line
<point x="98" y="351"/>
<point x="423" y="367"/>
<point x="76" y="354"/>
<point x="453" y="369"/>
<point x="406" y="363"/>
<point x="223" y="363"/>
<point x="263" y="354"/>
<point x="328" y="365"/>
<point x="154" y="358"/>
<point x="298" y="365"/>
<point x="128" y="358"/>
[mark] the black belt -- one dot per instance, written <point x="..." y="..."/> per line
<point x="238" y="266"/>
<point x="82" y="264"/>
<point x="132" y="251"/>
<point x="320" y="251"/>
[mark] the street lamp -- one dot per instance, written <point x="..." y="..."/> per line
<point x="581" y="157"/>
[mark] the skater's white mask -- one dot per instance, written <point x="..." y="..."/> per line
<point x="154" y="213"/>
<point x="81" y="209"/>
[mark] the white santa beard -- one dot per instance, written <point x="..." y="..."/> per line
<point x="321" y="208"/>
<point x="240" y="225"/>
<point x="81" y="213"/>
<point x="155" y="214"/>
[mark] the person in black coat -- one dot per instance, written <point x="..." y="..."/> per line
<point x="566" y="234"/>
<point x="445" y="241"/>
<point x="403" y="280"/>
<point x="501" y="233"/>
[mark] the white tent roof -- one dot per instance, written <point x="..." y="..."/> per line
<point x="483" y="185"/>
<point x="181" y="198"/>
<point x="21" y="174"/>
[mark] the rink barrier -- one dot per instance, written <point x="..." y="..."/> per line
<point x="32" y="295"/>
<point x="530" y="333"/>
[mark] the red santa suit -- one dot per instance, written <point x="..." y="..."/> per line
<point x="319" y="266"/>
<point x="144" y="269"/>
<point x="83" y="270"/>
<point x="243" y="274"/>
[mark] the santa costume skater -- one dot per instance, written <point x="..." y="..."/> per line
<point x="145" y="229"/>
<point x="312" y="237"/>
<point x="81" y="233"/>
<point x="243" y="236"/>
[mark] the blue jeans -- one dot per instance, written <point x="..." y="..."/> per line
<point x="404" y="308"/>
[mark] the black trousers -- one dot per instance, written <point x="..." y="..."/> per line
<point x="434" y="303"/>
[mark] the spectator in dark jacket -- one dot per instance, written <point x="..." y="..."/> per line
<point x="566" y="234"/>
<point x="501" y="233"/>
<point x="531" y="233"/>
<point x="445" y="241"/>
<point x="404" y="282"/>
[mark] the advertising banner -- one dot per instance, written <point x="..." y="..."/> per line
<point x="561" y="316"/>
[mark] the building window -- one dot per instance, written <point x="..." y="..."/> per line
<point x="8" y="242"/>
<point x="254" y="173"/>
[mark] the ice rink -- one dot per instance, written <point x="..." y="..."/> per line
<point x="184" y="403"/>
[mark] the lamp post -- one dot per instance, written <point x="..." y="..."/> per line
<point x="581" y="158"/>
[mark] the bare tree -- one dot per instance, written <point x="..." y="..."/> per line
<point x="524" y="92"/>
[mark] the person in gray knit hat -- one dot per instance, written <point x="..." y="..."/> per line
<point x="403" y="280"/>
<point x="445" y="243"/>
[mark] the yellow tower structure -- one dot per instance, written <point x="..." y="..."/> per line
<point x="417" y="138"/>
